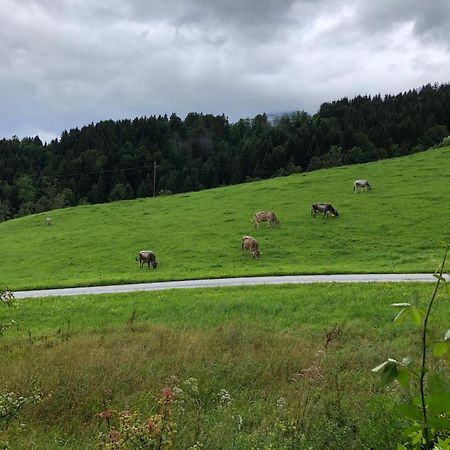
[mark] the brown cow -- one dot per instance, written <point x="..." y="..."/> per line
<point x="147" y="256"/>
<point x="265" y="216"/>
<point x="324" y="208"/>
<point x="250" y="244"/>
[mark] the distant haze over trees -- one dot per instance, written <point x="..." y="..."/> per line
<point x="114" y="160"/>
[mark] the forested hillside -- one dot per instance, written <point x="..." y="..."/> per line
<point x="113" y="160"/>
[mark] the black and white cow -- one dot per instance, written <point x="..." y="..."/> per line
<point x="361" y="185"/>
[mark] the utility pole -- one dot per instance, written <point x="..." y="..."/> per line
<point x="154" y="177"/>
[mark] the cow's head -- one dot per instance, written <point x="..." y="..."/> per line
<point x="154" y="264"/>
<point x="256" y="254"/>
<point x="335" y="214"/>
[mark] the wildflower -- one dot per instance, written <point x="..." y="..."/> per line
<point x="150" y="425"/>
<point x="281" y="403"/>
<point x="107" y="414"/>
<point x="172" y="381"/>
<point x="167" y="394"/>
<point x="126" y="417"/>
<point x="153" y="425"/>
<point x="311" y="373"/>
<point x="191" y="384"/>
<point x="177" y="392"/>
<point x="224" y="397"/>
<point x="114" y="436"/>
<point x="239" y="422"/>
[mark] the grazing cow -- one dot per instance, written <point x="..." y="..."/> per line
<point x="265" y="216"/>
<point x="324" y="208"/>
<point x="250" y="244"/>
<point x="48" y="221"/>
<point x="361" y="185"/>
<point x="147" y="256"/>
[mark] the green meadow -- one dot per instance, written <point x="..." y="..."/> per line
<point x="294" y="360"/>
<point x="261" y="367"/>
<point x="396" y="227"/>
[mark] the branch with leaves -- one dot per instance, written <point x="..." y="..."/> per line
<point x="429" y="413"/>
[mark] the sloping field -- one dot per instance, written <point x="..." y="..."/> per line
<point x="397" y="227"/>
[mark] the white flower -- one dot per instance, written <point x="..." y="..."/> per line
<point x="177" y="392"/>
<point x="281" y="403"/>
<point x="239" y="421"/>
<point x="191" y="384"/>
<point x="224" y="397"/>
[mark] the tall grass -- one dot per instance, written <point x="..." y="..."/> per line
<point x="394" y="228"/>
<point x="295" y="361"/>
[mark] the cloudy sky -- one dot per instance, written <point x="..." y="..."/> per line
<point x="68" y="63"/>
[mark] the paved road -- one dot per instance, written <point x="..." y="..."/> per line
<point x="219" y="282"/>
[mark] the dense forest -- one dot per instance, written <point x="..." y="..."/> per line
<point x="113" y="160"/>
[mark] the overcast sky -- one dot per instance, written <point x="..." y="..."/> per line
<point x="67" y="63"/>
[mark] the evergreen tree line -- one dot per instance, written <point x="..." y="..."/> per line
<point x="113" y="160"/>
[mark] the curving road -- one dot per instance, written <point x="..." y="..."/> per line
<point x="227" y="282"/>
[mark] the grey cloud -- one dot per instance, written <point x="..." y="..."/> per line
<point x="73" y="62"/>
<point x="430" y="19"/>
<point x="434" y="23"/>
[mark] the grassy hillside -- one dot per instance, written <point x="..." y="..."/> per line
<point x="295" y="360"/>
<point x="394" y="228"/>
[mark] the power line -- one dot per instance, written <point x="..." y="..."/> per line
<point x="154" y="177"/>
<point x="100" y="172"/>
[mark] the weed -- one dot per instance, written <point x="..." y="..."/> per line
<point x="127" y="430"/>
<point x="429" y="412"/>
<point x="11" y="404"/>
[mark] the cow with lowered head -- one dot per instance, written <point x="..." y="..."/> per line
<point x="147" y="257"/>
<point x="324" y="208"/>
<point x="250" y="244"/>
<point x="265" y="216"/>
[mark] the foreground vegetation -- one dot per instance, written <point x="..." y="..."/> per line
<point x="250" y="367"/>
<point x="394" y="228"/>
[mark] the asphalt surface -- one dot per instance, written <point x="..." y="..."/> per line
<point x="224" y="282"/>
